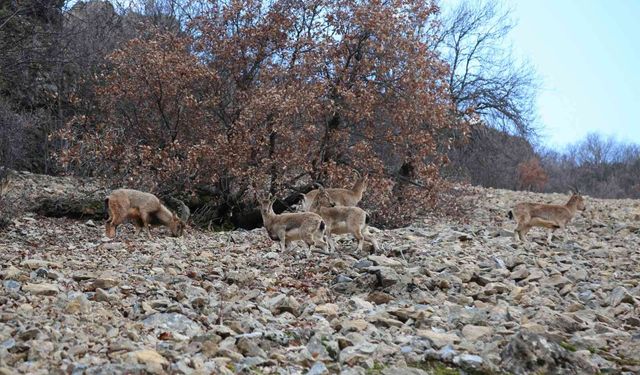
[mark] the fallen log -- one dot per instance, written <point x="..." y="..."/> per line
<point x="75" y="207"/>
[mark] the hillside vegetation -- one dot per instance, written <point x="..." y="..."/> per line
<point x="442" y="294"/>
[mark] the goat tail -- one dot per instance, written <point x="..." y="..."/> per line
<point x="367" y="219"/>
<point x="510" y="214"/>
<point x="106" y="207"/>
<point x="322" y="226"/>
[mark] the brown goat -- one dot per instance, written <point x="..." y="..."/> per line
<point x="289" y="227"/>
<point x="550" y="216"/>
<point x="142" y="209"/>
<point x="340" y="197"/>
<point x="342" y="220"/>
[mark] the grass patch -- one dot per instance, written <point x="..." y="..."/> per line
<point x="619" y="360"/>
<point x="567" y="346"/>
<point x="435" y="368"/>
<point x="376" y="369"/>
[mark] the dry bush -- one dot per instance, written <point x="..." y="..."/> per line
<point x="531" y="175"/>
<point x="490" y="158"/>
<point x="278" y="96"/>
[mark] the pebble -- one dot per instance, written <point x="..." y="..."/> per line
<point x="464" y="295"/>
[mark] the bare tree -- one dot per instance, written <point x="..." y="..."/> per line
<point x="487" y="82"/>
<point x="484" y="75"/>
<point x="599" y="166"/>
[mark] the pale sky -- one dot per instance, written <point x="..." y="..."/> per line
<point x="587" y="53"/>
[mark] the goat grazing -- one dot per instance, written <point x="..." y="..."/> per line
<point x="342" y="220"/>
<point x="340" y="197"/>
<point x="550" y="216"/>
<point x="143" y="209"/>
<point x="288" y="227"/>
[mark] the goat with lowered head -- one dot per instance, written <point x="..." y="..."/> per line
<point x="143" y="210"/>
<point x="342" y="220"/>
<point x="288" y="227"/>
<point x="529" y="215"/>
<point x="340" y="197"/>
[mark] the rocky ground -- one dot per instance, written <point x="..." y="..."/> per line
<point x="443" y="298"/>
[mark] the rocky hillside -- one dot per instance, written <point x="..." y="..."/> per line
<point x="443" y="298"/>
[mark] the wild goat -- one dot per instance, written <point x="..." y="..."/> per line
<point x="340" y="197"/>
<point x="288" y="227"/>
<point x="143" y="209"/>
<point x="342" y="220"/>
<point x="550" y="216"/>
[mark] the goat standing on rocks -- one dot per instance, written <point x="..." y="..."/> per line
<point x="340" y="197"/>
<point x="342" y="220"/>
<point x="550" y="216"/>
<point x="143" y="209"/>
<point x="287" y="227"/>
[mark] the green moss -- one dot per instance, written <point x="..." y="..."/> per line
<point x="376" y="369"/>
<point x="439" y="368"/>
<point x="435" y="368"/>
<point x="568" y="346"/>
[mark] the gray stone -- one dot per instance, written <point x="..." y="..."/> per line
<point x="11" y="285"/>
<point x="556" y="281"/>
<point x="386" y="276"/>
<point x="529" y="353"/>
<point x="473" y="332"/>
<point x="469" y="361"/>
<point x="618" y="295"/>
<point x="384" y="261"/>
<point x="363" y="264"/>
<point x="439" y="339"/>
<point x="282" y="303"/>
<point x="318" y="368"/>
<point x="395" y="370"/>
<point x="41" y="289"/>
<point x="174" y="323"/>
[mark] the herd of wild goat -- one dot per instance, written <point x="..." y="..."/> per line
<point x="323" y="212"/>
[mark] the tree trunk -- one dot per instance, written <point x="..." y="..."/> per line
<point x="76" y="207"/>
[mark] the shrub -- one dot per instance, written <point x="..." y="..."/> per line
<point x="273" y="97"/>
<point x="531" y="175"/>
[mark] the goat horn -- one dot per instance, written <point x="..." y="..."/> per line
<point x="574" y="189"/>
